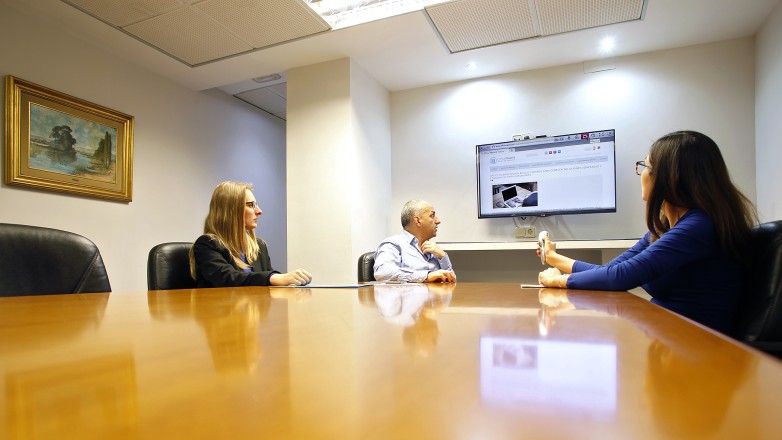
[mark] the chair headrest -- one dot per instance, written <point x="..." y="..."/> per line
<point x="168" y="267"/>
<point x="760" y="311"/>
<point x="40" y="261"/>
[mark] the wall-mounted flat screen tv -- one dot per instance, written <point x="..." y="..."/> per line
<point x="567" y="174"/>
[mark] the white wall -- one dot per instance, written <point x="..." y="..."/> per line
<point x="709" y="88"/>
<point x="371" y="131"/>
<point x="319" y="179"/>
<point x="185" y="143"/>
<point x="768" y="114"/>
<point x="338" y="168"/>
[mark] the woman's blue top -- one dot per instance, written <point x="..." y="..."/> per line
<point x="685" y="271"/>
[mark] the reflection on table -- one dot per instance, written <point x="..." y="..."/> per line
<point x="414" y="307"/>
<point x="677" y="378"/>
<point x="55" y="381"/>
<point x="539" y="373"/>
<point x="425" y="361"/>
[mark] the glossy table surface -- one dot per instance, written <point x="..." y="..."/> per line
<point x="470" y="361"/>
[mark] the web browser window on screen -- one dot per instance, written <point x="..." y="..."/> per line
<point x="567" y="174"/>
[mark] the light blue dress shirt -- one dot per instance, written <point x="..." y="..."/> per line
<point x="398" y="258"/>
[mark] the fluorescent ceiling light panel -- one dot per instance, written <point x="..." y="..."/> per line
<point x="343" y="13"/>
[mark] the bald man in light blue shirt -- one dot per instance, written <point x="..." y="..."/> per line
<point x="412" y="256"/>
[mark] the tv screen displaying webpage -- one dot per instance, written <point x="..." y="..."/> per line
<point x="567" y="174"/>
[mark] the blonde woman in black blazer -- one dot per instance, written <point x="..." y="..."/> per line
<point x="228" y="253"/>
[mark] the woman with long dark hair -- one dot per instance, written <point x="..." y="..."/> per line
<point x="691" y="259"/>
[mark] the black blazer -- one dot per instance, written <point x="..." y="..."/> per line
<point x="216" y="268"/>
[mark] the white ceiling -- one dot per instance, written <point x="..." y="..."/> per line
<point x="405" y="51"/>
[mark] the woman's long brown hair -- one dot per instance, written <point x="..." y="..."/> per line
<point x="225" y="223"/>
<point x="688" y="171"/>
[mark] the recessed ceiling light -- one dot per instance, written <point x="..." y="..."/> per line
<point x="472" y="66"/>
<point x="343" y="13"/>
<point x="607" y="44"/>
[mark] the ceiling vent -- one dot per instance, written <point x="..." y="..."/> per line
<point x="472" y="24"/>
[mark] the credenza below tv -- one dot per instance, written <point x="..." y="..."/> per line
<point x="516" y="261"/>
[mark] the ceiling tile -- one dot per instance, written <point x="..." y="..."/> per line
<point x="263" y="23"/>
<point x="124" y="12"/>
<point x="470" y="24"/>
<point x="280" y="89"/>
<point x="188" y="35"/>
<point x="558" y="16"/>
<point x="265" y="99"/>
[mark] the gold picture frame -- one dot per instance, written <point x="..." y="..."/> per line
<point x="58" y="142"/>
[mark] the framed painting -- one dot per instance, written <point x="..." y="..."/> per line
<point x="58" y="142"/>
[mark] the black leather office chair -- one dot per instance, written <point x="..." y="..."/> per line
<point x="366" y="267"/>
<point x="44" y="261"/>
<point x="759" y="323"/>
<point x="168" y="267"/>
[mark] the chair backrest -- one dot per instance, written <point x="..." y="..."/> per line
<point x="760" y="313"/>
<point x="168" y="267"/>
<point x="366" y="267"/>
<point x="44" y="261"/>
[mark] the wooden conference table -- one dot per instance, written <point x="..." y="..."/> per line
<point x="470" y="361"/>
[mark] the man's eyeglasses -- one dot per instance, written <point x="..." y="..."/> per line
<point x="639" y="167"/>
<point x="252" y="205"/>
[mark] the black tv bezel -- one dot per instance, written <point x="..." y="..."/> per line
<point x="541" y="213"/>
